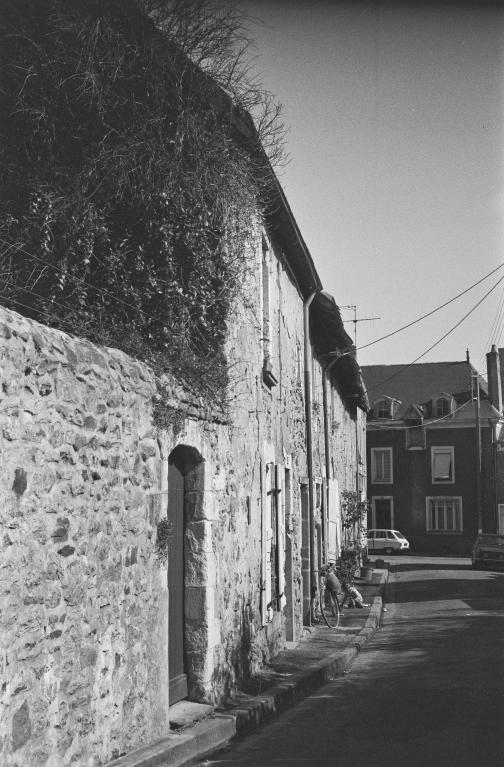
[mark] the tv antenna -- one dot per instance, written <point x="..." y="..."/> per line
<point x="357" y="319"/>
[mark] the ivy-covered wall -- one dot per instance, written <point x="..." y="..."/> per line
<point x="86" y="437"/>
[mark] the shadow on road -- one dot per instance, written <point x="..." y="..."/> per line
<point x="478" y="592"/>
<point x="403" y="567"/>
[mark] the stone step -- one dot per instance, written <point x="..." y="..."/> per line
<point x="185" y="713"/>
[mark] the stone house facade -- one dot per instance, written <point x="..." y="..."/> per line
<point x="433" y="453"/>
<point x="143" y="564"/>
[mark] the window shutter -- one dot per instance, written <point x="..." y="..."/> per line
<point x="281" y="536"/>
<point x="264" y="551"/>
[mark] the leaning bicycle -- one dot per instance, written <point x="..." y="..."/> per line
<point x="327" y="607"/>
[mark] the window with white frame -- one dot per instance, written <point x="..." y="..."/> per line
<point x="443" y="465"/>
<point x="444" y="514"/>
<point x="381" y="465"/>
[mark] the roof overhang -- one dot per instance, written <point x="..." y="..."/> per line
<point x="348" y="374"/>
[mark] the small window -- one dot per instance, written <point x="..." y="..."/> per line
<point x="415" y="437"/>
<point x="443" y="470"/>
<point x="383" y="408"/>
<point x="442" y="407"/>
<point x="444" y="515"/>
<point x="381" y="465"/>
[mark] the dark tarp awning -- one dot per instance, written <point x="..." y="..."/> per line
<point x="328" y="331"/>
<point x="347" y="372"/>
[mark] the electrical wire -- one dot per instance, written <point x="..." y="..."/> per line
<point x="405" y="367"/>
<point x="429" y="423"/>
<point x="433" y="311"/>
<point x="496" y="329"/>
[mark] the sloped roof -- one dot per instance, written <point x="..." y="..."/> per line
<point x="420" y="382"/>
<point x="488" y="412"/>
<point x="278" y="216"/>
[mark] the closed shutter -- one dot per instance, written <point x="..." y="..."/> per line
<point x="280" y="495"/>
<point x="333" y="521"/>
<point x="265" y="581"/>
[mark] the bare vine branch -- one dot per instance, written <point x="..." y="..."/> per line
<point x="130" y="173"/>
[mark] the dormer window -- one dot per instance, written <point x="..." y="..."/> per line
<point x="442" y="406"/>
<point x="385" y="407"/>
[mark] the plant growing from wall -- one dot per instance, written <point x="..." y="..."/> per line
<point x="127" y="192"/>
<point x="164" y="532"/>
<point x="353" y="523"/>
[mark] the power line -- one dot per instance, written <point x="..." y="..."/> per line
<point x="405" y="367"/>
<point x="433" y="311"/>
<point x="429" y="423"/>
<point x="495" y="330"/>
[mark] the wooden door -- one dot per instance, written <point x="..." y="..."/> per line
<point x="177" y="675"/>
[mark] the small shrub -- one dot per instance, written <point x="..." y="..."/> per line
<point x="164" y="533"/>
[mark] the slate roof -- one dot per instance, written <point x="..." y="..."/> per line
<point x="421" y="382"/>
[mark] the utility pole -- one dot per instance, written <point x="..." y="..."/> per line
<point x="478" y="457"/>
<point x="357" y="319"/>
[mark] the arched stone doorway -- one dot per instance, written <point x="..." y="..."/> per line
<point x="185" y="500"/>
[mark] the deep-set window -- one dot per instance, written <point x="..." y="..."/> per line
<point x="383" y="408"/>
<point x="442" y="463"/>
<point x="381" y="465"/>
<point x="444" y="515"/>
<point x="441" y="407"/>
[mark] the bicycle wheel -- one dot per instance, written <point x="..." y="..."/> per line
<point x="329" y="607"/>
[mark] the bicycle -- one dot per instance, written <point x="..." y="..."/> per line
<point x="327" y="608"/>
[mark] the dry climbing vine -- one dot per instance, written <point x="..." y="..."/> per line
<point x="127" y="193"/>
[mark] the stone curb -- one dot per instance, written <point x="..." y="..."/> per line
<point x="214" y="733"/>
<point x="250" y="716"/>
<point x="181" y="747"/>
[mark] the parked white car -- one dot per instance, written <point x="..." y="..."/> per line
<point x="386" y="541"/>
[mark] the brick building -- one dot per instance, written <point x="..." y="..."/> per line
<point x="433" y="452"/>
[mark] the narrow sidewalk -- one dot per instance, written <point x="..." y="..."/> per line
<point x="322" y="654"/>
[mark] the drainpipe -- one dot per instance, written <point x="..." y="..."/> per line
<point x="327" y="450"/>
<point x="309" y="446"/>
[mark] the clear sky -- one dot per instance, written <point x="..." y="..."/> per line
<point x="396" y="117"/>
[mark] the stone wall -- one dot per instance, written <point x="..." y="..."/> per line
<point x="83" y="619"/>
<point x="84" y="484"/>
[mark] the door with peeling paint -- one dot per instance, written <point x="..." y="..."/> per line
<point x="177" y="675"/>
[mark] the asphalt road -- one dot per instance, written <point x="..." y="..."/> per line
<point x="426" y="691"/>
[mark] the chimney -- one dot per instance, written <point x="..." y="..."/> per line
<point x="494" y="378"/>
